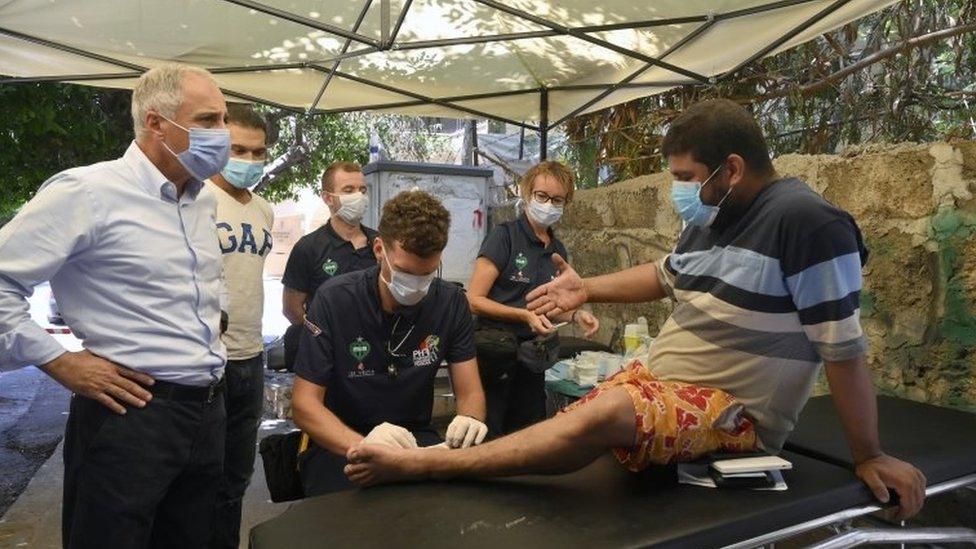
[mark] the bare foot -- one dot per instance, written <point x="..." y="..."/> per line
<point x="371" y="464"/>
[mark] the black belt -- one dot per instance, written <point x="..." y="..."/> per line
<point x="175" y="391"/>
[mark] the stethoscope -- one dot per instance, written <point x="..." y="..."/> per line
<point x="394" y="352"/>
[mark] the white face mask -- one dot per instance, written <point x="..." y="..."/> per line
<point x="543" y="214"/>
<point x="407" y="289"/>
<point x="352" y="207"/>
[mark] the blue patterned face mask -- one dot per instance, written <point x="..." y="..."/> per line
<point x="243" y="174"/>
<point x="686" y="197"/>
<point x="208" y="152"/>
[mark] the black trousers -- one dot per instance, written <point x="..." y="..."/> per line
<point x="244" y="402"/>
<point x="321" y="470"/>
<point x="515" y="398"/>
<point x="148" y="478"/>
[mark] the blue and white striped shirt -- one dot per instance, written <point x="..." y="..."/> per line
<point x="762" y="302"/>
<point x="135" y="270"/>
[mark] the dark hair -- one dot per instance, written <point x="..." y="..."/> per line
<point x="417" y="222"/>
<point x="712" y="130"/>
<point x="328" y="177"/>
<point x="245" y="116"/>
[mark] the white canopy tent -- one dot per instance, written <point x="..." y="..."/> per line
<point x="532" y="63"/>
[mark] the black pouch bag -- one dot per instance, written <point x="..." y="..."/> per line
<point x="279" y="452"/>
<point x="497" y="352"/>
<point x="540" y="353"/>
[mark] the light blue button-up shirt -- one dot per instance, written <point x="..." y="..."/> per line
<point x="135" y="270"/>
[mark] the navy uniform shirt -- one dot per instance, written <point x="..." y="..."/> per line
<point x="322" y="254"/>
<point x="376" y="366"/>
<point x="523" y="263"/>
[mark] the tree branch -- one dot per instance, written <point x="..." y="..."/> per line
<point x="904" y="46"/>
<point x="295" y="155"/>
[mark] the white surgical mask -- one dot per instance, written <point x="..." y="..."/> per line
<point x="407" y="289"/>
<point x="352" y="207"/>
<point x="544" y="214"/>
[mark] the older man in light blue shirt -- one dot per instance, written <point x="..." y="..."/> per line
<point x="134" y="266"/>
<point x="130" y="249"/>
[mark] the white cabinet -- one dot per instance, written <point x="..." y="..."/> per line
<point x="462" y="189"/>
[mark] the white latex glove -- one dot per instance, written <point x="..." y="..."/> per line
<point x="391" y="435"/>
<point x="465" y="431"/>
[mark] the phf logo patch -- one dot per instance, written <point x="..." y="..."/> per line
<point x="330" y="267"/>
<point x="360" y="349"/>
<point x="521" y="262"/>
<point x="428" y="352"/>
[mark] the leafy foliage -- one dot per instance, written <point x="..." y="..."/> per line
<point x="307" y="145"/>
<point x="903" y="74"/>
<point x="48" y="128"/>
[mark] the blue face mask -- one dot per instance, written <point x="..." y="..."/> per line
<point x="686" y="197"/>
<point x="243" y="173"/>
<point x="208" y="152"/>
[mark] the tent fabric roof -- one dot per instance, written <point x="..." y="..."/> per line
<point x="529" y="62"/>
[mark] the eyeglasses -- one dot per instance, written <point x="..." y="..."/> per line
<point x="543" y="197"/>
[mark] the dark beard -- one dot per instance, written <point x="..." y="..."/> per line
<point x="730" y="212"/>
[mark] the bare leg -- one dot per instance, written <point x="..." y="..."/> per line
<point x="563" y="444"/>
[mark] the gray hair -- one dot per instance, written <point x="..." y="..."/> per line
<point x="160" y="89"/>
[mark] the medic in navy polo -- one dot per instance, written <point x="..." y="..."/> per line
<point x="372" y="344"/>
<point x="341" y="245"/>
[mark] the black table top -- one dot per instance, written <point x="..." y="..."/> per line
<point x="939" y="441"/>
<point x="602" y="505"/>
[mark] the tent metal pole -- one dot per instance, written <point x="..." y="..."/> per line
<point x="384" y="23"/>
<point x="543" y="124"/>
<point x="136" y="73"/>
<point x="335" y="66"/>
<point x="595" y="41"/>
<point x="600" y="96"/>
<point x="789" y="35"/>
<point x="655" y="84"/>
<point x="285" y="66"/>
<point x="521" y="143"/>
<point x="305" y="21"/>
<point x="688" y="38"/>
<point x="399" y="24"/>
<point x="417" y="102"/>
<point x="762" y="8"/>
<point x="69" y="78"/>
<point x="69" y="49"/>
<point x="255" y="99"/>
<point x="424" y="98"/>
<point x="125" y="64"/>
<point x="465" y="40"/>
<point x="424" y="44"/>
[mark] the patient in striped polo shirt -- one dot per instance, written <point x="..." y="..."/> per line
<point x="765" y="278"/>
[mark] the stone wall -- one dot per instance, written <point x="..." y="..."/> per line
<point x="916" y="207"/>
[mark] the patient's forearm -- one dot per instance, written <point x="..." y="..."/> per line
<point x="857" y="407"/>
<point x="633" y="285"/>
